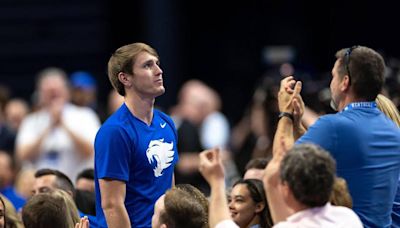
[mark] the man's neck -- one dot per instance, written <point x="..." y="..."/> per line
<point x="296" y="206"/>
<point x="140" y="106"/>
<point x="348" y="100"/>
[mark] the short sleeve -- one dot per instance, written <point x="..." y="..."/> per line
<point x="113" y="151"/>
<point x="321" y="133"/>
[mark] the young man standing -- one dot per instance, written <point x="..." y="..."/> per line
<point x="135" y="149"/>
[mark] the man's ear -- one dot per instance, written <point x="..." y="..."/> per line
<point x="124" y="78"/>
<point x="163" y="226"/>
<point x="345" y="84"/>
<point x="285" y="190"/>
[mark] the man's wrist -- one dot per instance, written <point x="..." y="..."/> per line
<point x="286" y="114"/>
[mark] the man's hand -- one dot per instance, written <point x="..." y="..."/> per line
<point x="211" y="166"/>
<point x="55" y="110"/>
<point x="285" y="94"/>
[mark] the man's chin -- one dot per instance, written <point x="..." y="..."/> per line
<point x="160" y="91"/>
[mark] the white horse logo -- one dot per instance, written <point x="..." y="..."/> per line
<point x="163" y="154"/>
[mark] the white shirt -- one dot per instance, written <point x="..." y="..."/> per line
<point x="214" y="131"/>
<point x="326" y="216"/>
<point x="57" y="150"/>
<point x="228" y="223"/>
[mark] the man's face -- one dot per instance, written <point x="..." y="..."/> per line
<point x="147" y="76"/>
<point x="158" y="210"/>
<point x="85" y="184"/>
<point x="336" y="93"/>
<point x="44" y="184"/>
<point x="53" y="89"/>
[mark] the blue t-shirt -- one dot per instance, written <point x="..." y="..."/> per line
<point x="366" y="146"/>
<point x="17" y="200"/>
<point x="142" y="156"/>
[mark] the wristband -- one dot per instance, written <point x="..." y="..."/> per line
<point x="288" y="115"/>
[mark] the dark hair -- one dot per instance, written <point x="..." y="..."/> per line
<point x="62" y="181"/>
<point x="184" y="208"/>
<point x="86" y="173"/>
<point x="309" y="171"/>
<point x="257" y="194"/>
<point x="45" y="210"/>
<point x="257" y="163"/>
<point x="366" y="68"/>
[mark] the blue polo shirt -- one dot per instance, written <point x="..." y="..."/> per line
<point x="366" y="146"/>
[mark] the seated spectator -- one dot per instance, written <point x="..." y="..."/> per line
<point x="248" y="205"/>
<point x="46" y="210"/>
<point x="11" y="217"/>
<point x="340" y="194"/>
<point x="255" y="168"/>
<point x="24" y="182"/>
<point x="181" y="207"/>
<point x="299" y="184"/>
<point x="15" y="111"/>
<point x="72" y="211"/>
<point x="85" y="180"/>
<point x="84" y="192"/>
<point x="7" y="169"/>
<point x="48" y="180"/>
<point x="2" y="213"/>
<point x="212" y="170"/>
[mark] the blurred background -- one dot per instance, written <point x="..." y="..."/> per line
<point x="228" y="45"/>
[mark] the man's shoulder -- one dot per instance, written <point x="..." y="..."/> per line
<point x="345" y="216"/>
<point x="162" y="114"/>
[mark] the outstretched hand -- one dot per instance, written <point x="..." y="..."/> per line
<point x="211" y="166"/>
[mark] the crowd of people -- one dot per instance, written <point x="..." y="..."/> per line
<point x="284" y="164"/>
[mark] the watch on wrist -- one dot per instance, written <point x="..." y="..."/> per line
<point x="286" y="114"/>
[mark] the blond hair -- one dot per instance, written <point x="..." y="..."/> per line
<point x="340" y="195"/>
<point x="388" y="108"/>
<point x="72" y="211"/>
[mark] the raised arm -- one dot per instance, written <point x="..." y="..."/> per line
<point x="287" y="99"/>
<point x="289" y="102"/>
<point x="212" y="170"/>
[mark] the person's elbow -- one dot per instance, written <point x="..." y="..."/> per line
<point x="111" y="204"/>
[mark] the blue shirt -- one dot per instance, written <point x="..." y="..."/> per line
<point x="17" y="200"/>
<point x="92" y="219"/>
<point x="142" y="156"/>
<point x="366" y="146"/>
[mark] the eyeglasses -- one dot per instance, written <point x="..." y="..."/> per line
<point x="347" y="60"/>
